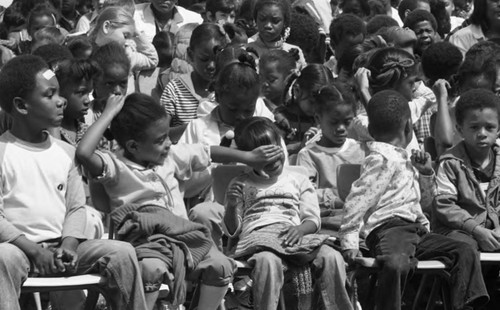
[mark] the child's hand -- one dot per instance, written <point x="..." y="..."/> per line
<point x="44" y="262"/>
<point x="234" y="194"/>
<point x="310" y="133"/>
<point x="350" y="255"/>
<point x="422" y="162"/>
<point x="264" y="155"/>
<point x="440" y="89"/>
<point x="65" y="259"/>
<point x="362" y="78"/>
<point x="114" y="104"/>
<point x="292" y="236"/>
<point x="487" y="239"/>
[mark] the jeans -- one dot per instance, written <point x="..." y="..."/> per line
<point x="328" y="270"/>
<point x="115" y="260"/>
<point x="210" y="214"/>
<point x="398" y="245"/>
<point x="215" y="269"/>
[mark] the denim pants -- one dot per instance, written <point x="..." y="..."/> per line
<point x="115" y="260"/>
<point x="211" y="215"/>
<point x="398" y="245"/>
<point x="215" y="269"/>
<point x="329" y="275"/>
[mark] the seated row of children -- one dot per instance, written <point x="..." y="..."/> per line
<point x="274" y="210"/>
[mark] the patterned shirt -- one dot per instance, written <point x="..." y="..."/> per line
<point x="180" y="100"/>
<point x="388" y="187"/>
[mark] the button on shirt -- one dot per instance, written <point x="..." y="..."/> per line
<point x="388" y="187"/>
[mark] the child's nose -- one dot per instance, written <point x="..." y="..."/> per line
<point x="62" y="102"/>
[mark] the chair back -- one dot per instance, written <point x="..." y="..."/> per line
<point x="346" y="175"/>
<point x="221" y="176"/>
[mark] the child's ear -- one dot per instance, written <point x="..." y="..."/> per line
<point x="19" y="104"/>
<point x="106" y="26"/>
<point x="409" y="129"/>
<point x="131" y="146"/>
<point x="209" y="16"/>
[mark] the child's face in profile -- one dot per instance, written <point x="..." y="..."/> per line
<point x="78" y="96"/>
<point x="44" y="106"/>
<point x="334" y="124"/>
<point x="270" y="22"/>
<point x="118" y="34"/>
<point x="407" y="86"/>
<point x="305" y="102"/>
<point x="479" y="130"/>
<point x="154" y="146"/>
<point x="273" y="81"/>
<point x="237" y="105"/>
<point x="113" y="81"/>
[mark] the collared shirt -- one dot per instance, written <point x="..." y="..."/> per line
<point x="128" y="182"/>
<point x="466" y="37"/>
<point x="145" y="21"/>
<point x="388" y="187"/>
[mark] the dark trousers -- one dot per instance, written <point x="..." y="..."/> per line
<point x="398" y="245"/>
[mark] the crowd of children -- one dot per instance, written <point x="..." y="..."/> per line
<point x="118" y="112"/>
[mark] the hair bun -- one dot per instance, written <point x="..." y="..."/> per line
<point x="295" y="53"/>
<point x="248" y="60"/>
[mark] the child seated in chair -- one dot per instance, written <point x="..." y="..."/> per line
<point x="42" y="218"/>
<point x="144" y="185"/>
<point x="275" y="213"/>
<point x="466" y="205"/>
<point x="384" y="207"/>
<point x="335" y="109"/>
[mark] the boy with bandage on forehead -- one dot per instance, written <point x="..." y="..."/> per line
<point x="42" y="218"/>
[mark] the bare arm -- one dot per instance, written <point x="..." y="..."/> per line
<point x="443" y="131"/>
<point x="86" y="149"/>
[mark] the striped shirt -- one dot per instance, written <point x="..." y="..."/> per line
<point x="180" y="100"/>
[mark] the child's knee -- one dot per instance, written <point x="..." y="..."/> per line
<point x="153" y="272"/>
<point x="328" y="258"/>
<point x="207" y="213"/>
<point x="266" y="260"/>
<point x="396" y="263"/>
<point x="219" y="272"/>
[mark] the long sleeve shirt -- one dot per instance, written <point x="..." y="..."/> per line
<point x="389" y="186"/>
<point x="288" y="198"/>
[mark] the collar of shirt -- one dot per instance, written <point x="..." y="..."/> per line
<point x="388" y="151"/>
<point x="477" y="32"/>
<point x="132" y="165"/>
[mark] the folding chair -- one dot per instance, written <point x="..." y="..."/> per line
<point x="346" y="175"/>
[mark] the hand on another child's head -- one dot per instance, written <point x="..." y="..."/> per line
<point x="264" y="155"/>
<point x="422" y="162"/>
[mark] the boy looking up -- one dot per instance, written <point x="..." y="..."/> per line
<point x="466" y="205"/>
<point x="42" y="218"/>
<point x="384" y="206"/>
